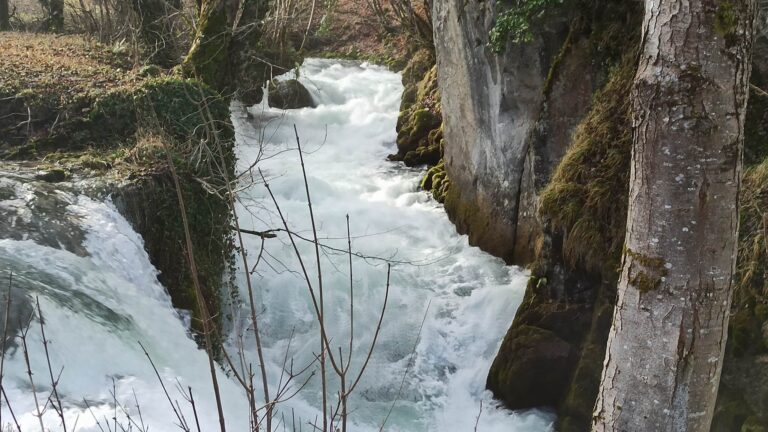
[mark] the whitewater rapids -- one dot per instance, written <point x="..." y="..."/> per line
<point x="100" y="295"/>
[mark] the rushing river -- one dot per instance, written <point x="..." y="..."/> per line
<point x="448" y="308"/>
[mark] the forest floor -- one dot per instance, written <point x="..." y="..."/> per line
<point x="64" y="65"/>
<point x="50" y="84"/>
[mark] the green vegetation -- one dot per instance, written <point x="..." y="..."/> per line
<point x="172" y="104"/>
<point x="515" y="23"/>
<point x="209" y="57"/>
<point x="436" y="181"/>
<point x="581" y="199"/>
<point x="750" y="304"/>
<point x="727" y="17"/>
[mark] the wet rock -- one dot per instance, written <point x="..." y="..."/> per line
<point x="437" y="182"/>
<point x="415" y="132"/>
<point x="54" y="175"/>
<point x="290" y="94"/>
<point x="150" y="205"/>
<point x="39" y="214"/>
<point x="536" y="361"/>
<point x="251" y="96"/>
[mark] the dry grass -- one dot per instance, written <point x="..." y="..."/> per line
<point x="66" y="66"/>
<point x="753" y="250"/>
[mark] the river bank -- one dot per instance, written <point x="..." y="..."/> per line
<point x="75" y="108"/>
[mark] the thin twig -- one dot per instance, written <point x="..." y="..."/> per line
<point x="321" y="317"/>
<point x="407" y="368"/>
<point x="5" y="335"/>
<point x="479" y="413"/>
<point x="54" y="382"/>
<point x="162" y="384"/>
<point x="39" y="414"/>
<point x="207" y="328"/>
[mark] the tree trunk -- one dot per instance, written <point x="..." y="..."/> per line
<point x="665" y="349"/>
<point x="56" y="15"/>
<point x="209" y="58"/>
<point x="4" y="24"/>
<point x="226" y="44"/>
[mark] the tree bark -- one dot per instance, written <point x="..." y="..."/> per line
<point x="56" y="15"/>
<point x="4" y="23"/>
<point x="665" y="348"/>
<point x="209" y="57"/>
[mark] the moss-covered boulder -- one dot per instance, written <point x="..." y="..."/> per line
<point x="181" y="108"/>
<point x="419" y="125"/>
<point x="415" y="133"/>
<point x="418" y="67"/>
<point x="436" y="182"/>
<point x="150" y="204"/>
<point x="289" y="94"/>
<point x="540" y="362"/>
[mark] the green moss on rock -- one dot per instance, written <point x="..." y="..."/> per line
<point x="436" y="182"/>
<point x="420" y="125"/>
<point x="208" y="60"/>
<point x="421" y="62"/>
<point x="173" y="105"/>
<point x="539" y="356"/>
<point x="150" y="204"/>
<point x="419" y="137"/>
<point x="581" y="199"/>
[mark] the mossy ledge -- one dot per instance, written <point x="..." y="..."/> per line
<point x="78" y="108"/>
<point x="420" y="123"/>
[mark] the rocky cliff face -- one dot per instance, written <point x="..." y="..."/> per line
<point x="509" y="121"/>
<point x="538" y="142"/>
<point x="504" y="130"/>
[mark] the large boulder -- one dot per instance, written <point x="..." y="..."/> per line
<point x="290" y="94"/>
<point x="531" y="362"/>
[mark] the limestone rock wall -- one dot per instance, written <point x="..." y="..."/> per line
<point x="505" y="134"/>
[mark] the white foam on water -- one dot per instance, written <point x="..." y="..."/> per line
<point x="472" y="296"/>
<point x="97" y="307"/>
